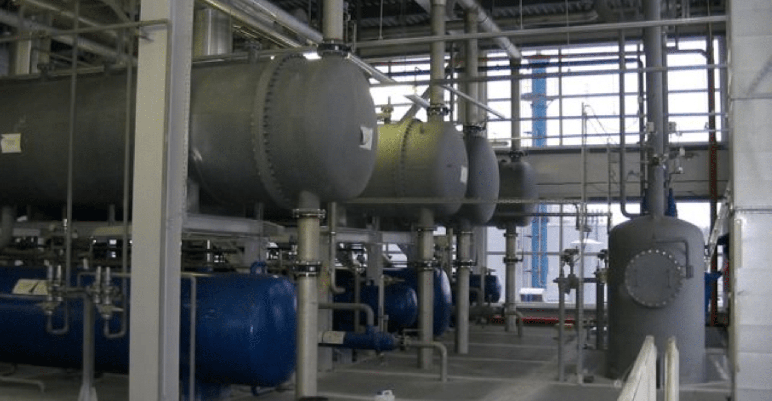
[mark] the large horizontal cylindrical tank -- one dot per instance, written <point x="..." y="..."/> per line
<point x="518" y="181"/>
<point x="419" y="160"/>
<point x="400" y="304"/>
<point x="443" y="299"/>
<point x="483" y="183"/>
<point x="656" y="287"/>
<point x="260" y="132"/>
<point x="245" y="328"/>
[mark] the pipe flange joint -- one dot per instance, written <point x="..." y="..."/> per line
<point x="474" y="130"/>
<point x="424" y="265"/>
<point x="437" y="109"/>
<point x="510" y="235"/>
<point x="464" y="264"/>
<point x="307" y="268"/>
<point x="333" y="47"/>
<point x="516" y="155"/>
<point x="313" y="213"/>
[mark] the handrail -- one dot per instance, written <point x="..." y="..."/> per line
<point x="641" y="385"/>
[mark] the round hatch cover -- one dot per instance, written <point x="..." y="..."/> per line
<point x="653" y="278"/>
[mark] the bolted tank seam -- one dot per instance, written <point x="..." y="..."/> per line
<point x="262" y="137"/>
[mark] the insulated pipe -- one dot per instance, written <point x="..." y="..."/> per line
<point x="655" y="195"/>
<point x="464" y="262"/>
<point x="441" y="349"/>
<point x="306" y="271"/>
<point x="487" y="25"/>
<point x="7" y="220"/>
<point x="510" y="263"/>
<point x="369" y="314"/>
<point x="437" y="62"/>
<point x="471" y="63"/>
<point x="281" y="17"/>
<point x="83" y="44"/>
<point x="425" y="277"/>
<point x="262" y="25"/>
<point x="211" y="33"/>
<point x="332" y="22"/>
<point x="61" y="12"/>
<point x="622" y="136"/>
<point x="514" y="66"/>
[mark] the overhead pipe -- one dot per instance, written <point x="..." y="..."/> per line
<point x="61" y="12"/>
<point x="263" y="25"/>
<point x="488" y="25"/>
<point x="83" y="44"/>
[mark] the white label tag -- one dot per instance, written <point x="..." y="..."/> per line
<point x="366" y="138"/>
<point x="333" y="337"/>
<point x="26" y="286"/>
<point x="464" y="174"/>
<point x="10" y="143"/>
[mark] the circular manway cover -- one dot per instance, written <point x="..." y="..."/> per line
<point x="653" y="278"/>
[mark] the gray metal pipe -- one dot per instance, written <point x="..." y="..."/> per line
<point x="526" y="33"/>
<point x="61" y="12"/>
<point x="332" y="224"/>
<point x="255" y="21"/>
<point x="83" y="44"/>
<point x="356" y="307"/>
<point x="471" y="65"/>
<point x="211" y="33"/>
<point x="514" y="65"/>
<point x="510" y="263"/>
<point x="7" y="220"/>
<point x="622" y="134"/>
<point x="281" y="17"/>
<point x="464" y="262"/>
<point x="425" y="285"/>
<point x="652" y="39"/>
<point x="488" y="25"/>
<point x="332" y="22"/>
<point x="441" y="349"/>
<point x="437" y="61"/>
<point x="308" y="295"/>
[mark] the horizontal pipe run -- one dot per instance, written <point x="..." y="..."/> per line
<point x="264" y="26"/>
<point x="59" y="11"/>
<point x="369" y="314"/>
<point x="524" y="33"/>
<point x="440" y="348"/>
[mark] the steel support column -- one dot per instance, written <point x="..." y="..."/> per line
<point x="160" y="173"/>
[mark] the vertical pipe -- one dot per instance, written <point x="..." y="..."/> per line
<point x="87" y="390"/>
<point x="332" y="23"/>
<point x="712" y="171"/>
<point x="510" y="262"/>
<point x="471" y="63"/>
<point x="561" y="323"/>
<point x="655" y="194"/>
<point x="464" y="262"/>
<point x="425" y="285"/>
<point x="600" y="311"/>
<point x="580" y="285"/>
<point x="514" y="66"/>
<point x="71" y="150"/>
<point x="306" y="271"/>
<point x="437" y="63"/>
<point x="622" y="133"/>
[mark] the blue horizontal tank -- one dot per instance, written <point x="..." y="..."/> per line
<point x="245" y="329"/>
<point x="492" y="287"/>
<point x="400" y="304"/>
<point x="443" y="300"/>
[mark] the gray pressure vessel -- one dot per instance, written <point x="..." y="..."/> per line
<point x="483" y="181"/>
<point x="518" y="180"/>
<point x="656" y="287"/>
<point x="259" y="132"/>
<point x="419" y="160"/>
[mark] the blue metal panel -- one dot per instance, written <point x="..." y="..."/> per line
<point x="245" y="329"/>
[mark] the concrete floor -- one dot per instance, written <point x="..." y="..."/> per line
<point x="500" y="366"/>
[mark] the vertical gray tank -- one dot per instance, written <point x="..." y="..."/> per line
<point x="483" y="181"/>
<point x="258" y="133"/>
<point x="656" y="287"/>
<point x="518" y="180"/>
<point x="419" y="160"/>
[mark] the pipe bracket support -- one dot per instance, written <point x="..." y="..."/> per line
<point x="437" y="109"/>
<point x="425" y="265"/>
<point x="464" y="264"/>
<point x="313" y="213"/>
<point x="307" y="268"/>
<point x="515" y="259"/>
<point x="333" y="47"/>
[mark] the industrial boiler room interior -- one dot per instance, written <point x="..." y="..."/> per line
<point x="384" y="200"/>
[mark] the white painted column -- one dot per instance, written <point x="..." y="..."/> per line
<point x="160" y="172"/>
<point x="750" y="34"/>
